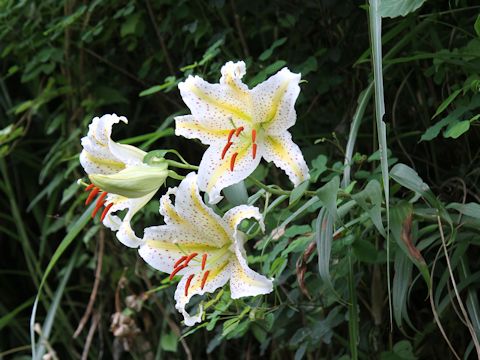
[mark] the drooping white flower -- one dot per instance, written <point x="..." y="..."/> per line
<point x="118" y="176"/>
<point x="241" y="125"/>
<point x="204" y="248"/>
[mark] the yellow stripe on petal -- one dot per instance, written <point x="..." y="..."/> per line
<point x="281" y="152"/>
<point x="185" y="248"/>
<point x="276" y="100"/>
<point x="220" y="104"/>
<point x="211" y="221"/>
<point x="104" y="162"/>
<point x="241" y="215"/>
<point x="202" y="129"/>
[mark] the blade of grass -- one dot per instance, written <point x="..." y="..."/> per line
<point x="376" y="46"/>
<point x="67" y="240"/>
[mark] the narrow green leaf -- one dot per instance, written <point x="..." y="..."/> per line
<point x="447" y="102"/>
<point x="469" y="209"/>
<point x="298" y="192"/>
<point x="370" y="200"/>
<point x="456" y="130"/>
<point x="328" y="196"/>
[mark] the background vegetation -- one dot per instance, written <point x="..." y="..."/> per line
<point x="63" y="63"/>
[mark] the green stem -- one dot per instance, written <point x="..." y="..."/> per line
<point x="277" y="190"/>
<point x="352" y="309"/>
<point x="181" y="165"/>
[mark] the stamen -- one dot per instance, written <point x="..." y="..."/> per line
<point x="176" y="270"/>
<point x="232" y="161"/>
<point x="254" y="150"/>
<point x="101" y="197"/>
<point x="105" y="211"/>
<point x="239" y="130"/>
<point x="92" y="195"/>
<point x="187" y="284"/>
<point x="179" y="261"/>
<point x="230" y="134"/>
<point x="97" y="207"/>
<point x="89" y="187"/>
<point x="254" y="135"/>
<point x="204" y="279"/>
<point x="204" y="260"/>
<point x="225" y="149"/>
<point x="190" y="257"/>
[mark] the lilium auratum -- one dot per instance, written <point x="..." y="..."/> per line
<point x="119" y="177"/>
<point x="241" y="125"/>
<point x="202" y="247"/>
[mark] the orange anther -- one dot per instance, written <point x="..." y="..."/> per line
<point x="101" y="197"/>
<point x="190" y="257"/>
<point x="204" y="260"/>
<point x="225" y="149"/>
<point x="254" y="150"/>
<point x="254" y="135"/>
<point x="187" y="284"/>
<point x="230" y="134"/>
<point x="90" y="197"/>
<point x="97" y="207"/>
<point x="89" y="187"/>
<point x="239" y="130"/>
<point x="204" y="279"/>
<point x="105" y="211"/>
<point x="232" y="161"/>
<point x="176" y="270"/>
<point x="179" y="261"/>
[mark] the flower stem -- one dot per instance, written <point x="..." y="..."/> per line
<point x="181" y="165"/>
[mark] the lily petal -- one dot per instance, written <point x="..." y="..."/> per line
<point x="216" y="279"/>
<point x="274" y="101"/>
<point x="125" y="233"/>
<point x="215" y="173"/>
<point x="100" y="154"/>
<point x="217" y="106"/>
<point x="190" y="127"/>
<point x="286" y="155"/>
<point x="244" y="281"/>
<point x="192" y="212"/>
<point x="234" y="216"/>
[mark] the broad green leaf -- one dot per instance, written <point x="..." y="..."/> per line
<point x="169" y="342"/>
<point x="476" y="26"/>
<point x="469" y="209"/>
<point x="169" y="81"/>
<point x="400" y="287"/>
<point x="394" y="8"/>
<point x="456" y="130"/>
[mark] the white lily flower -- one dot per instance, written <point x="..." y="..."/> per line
<point x="204" y="248"/>
<point x="241" y="125"/>
<point x="119" y="176"/>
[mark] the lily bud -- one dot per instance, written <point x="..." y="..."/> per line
<point x="133" y="181"/>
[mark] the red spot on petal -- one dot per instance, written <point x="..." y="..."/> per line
<point x="105" y="211"/>
<point x="232" y="161"/>
<point x="90" y="197"/>
<point x="187" y="284"/>
<point x="204" y="279"/>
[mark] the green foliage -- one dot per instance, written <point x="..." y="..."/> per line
<point x="326" y="240"/>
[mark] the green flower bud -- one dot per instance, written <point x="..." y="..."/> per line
<point x="132" y="182"/>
